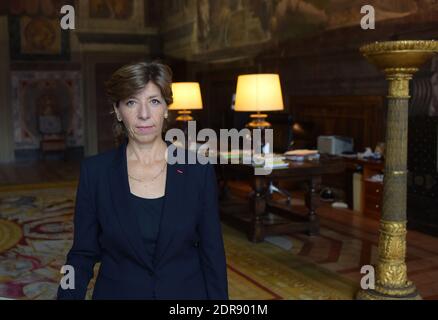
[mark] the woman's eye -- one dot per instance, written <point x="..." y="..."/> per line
<point x="155" y="101"/>
<point x="130" y="103"/>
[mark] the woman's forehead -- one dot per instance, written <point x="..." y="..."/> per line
<point x="150" y="90"/>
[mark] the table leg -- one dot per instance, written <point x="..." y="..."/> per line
<point x="258" y="207"/>
<point x="312" y="202"/>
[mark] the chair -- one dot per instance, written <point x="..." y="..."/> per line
<point x="53" y="137"/>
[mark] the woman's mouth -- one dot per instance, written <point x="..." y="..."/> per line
<point x="145" y="129"/>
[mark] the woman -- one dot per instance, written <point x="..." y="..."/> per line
<point x="154" y="226"/>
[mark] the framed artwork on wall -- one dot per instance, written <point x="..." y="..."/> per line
<point x="35" y="32"/>
<point x="37" y="38"/>
<point x="45" y="101"/>
<point x="105" y="16"/>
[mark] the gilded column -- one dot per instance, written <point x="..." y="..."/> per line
<point x="399" y="60"/>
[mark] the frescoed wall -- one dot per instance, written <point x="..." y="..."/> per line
<point x="229" y="24"/>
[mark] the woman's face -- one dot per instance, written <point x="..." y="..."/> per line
<point x="143" y="113"/>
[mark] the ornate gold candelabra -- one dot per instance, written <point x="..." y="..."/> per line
<point x="399" y="60"/>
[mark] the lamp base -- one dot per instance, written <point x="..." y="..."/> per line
<point x="258" y="121"/>
<point x="184" y="115"/>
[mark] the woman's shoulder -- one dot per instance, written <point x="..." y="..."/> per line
<point x="100" y="160"/>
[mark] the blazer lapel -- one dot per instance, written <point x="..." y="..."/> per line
<point x="119" y="185"/>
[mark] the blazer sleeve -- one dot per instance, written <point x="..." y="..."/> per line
<point x="211" y="244"/>
<point x="85" y="251"/>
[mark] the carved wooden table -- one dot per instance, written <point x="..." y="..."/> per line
<point x="257" y="217"/>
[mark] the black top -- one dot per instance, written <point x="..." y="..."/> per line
<point x="149" y="215"/>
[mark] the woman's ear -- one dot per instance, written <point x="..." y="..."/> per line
<point x="116" y="111"/>
<point x="166" y="113"/>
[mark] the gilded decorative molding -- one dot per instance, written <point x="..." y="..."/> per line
<point x="391" y="269"/>
<point x="402" y="71"/>
<point x="391" y="275"/>
<point x="398" y="85"/>
<point x="402" y="45"/>
<point x="374" y="295"/>
<point x="400" y="57"/>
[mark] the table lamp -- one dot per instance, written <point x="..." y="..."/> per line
<point x="258" y="93"/>
<point x="186" y="97"/>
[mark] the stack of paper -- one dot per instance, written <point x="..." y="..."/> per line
<point x="233" y="154"/>
<point x="301" y="155"/>
<point x="273" y="161"/>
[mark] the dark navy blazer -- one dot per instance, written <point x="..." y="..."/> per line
<point x="189" y="260"/>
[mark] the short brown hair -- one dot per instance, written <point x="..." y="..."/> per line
<point x="131" y="79"/>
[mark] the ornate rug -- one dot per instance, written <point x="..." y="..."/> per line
<point x="36" y="224"/>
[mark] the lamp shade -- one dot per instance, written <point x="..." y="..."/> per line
<point x="258" y="92"/>
<point x="186" y="96"/>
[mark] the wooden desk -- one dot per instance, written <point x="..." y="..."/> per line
<point x="256" y="217"/>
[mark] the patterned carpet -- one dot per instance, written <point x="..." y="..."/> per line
<point x="277" y="273"/>
<point x="337" y="248"/>
<point x="36" y="232"/>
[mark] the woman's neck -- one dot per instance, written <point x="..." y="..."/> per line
<point x="146" y="153"/>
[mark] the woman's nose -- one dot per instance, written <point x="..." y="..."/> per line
<point x="144" y="112"/>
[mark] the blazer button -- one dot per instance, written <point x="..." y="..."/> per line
<point x="196" y="244"/>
